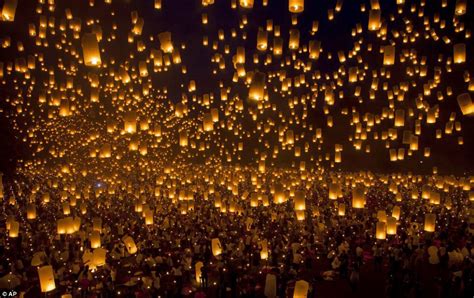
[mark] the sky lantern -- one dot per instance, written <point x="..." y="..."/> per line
<point x="165" y="42"/>
<point x="90" y="50"/>
<point x="8" y="10"/>
<point x="46" y="278"/>
<point x="459" y="54"/>
<point x="380" y="230"/>
<point x="301" y="289"/>
<point x="216" y="247"/>
<point x="296" y="6"/>
<point x="374" y="20"/>
<point x="257" y="87"/>
<point x="430" y="222"/>
<point x="129" y="244"/>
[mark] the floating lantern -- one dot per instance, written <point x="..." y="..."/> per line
<point x="90" y="50"/>
<point x="46" y="277"/>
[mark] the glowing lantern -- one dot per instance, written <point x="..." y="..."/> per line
<point x="396" y="212"/>
<point x="374" y="20"/>
<point x="459" y="53"/>
<point x="341" y="209"/>
<point x="165" y="42"/>
<point x="294" y="41"/>
<point x="460" y="8"/>
<point x="358" y="197"/>
<point x="257" y="88"/>
<point x="130" y="122"/>
<point x="465" y="103"/>
<point x="380" y="231"/>
<point x="8" y="10"/>
<point x="300" y="215"/>
<point x="262" y="39"/>
<point x="183" y="138"/>
<point x="98" y="257"/>
<point x="300" y="202"/>
<point x="14" y="229"/>
<point x="301" y="289"/>
<point x="90" y="50"/>
<point x="130" y="244"/>
<point x="391" y="226"/>
<point x="198" y="271"/>
<point x="264" y="251"/>
<point x="149" y="217"/>
<point x="216" y="247"/>
<point x="430" y="221"/>
<point x="246" y="3"/>
<point x="31" y="211"/>
<point x="296" y="6"/>
<point x="389" y="55"/>
<point x="46" y="277"/>
<point x="95" y="239"/>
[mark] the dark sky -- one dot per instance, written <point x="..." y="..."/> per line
<point x="183" y="19"/>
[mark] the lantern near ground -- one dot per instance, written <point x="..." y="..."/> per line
<point x="430" y="222"/>
<point x="198" y="271"/>
<point x="46" y="278"/>
<point x="90" y="50"/>
<point x="380" y="230"/>
<point x="300" y="215"/>
<point x="31" y="211"/>
<point x="14" y="229"/>
<point x="391" y="226"/>
<point x="264" y="251"/>
<point x="301" y="289"/>
<point x="216" y="247"/>
<point x="270" y="286"/>
<point x="130" y="244"/>
<point x="300" y="201"/>
<point x="95" y="239"/>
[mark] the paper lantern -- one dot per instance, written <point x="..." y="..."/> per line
<point x="183" y="139"/>
<point x="300" y="201"/>
<point x="14" y="229"/>
<point x="391" y="226"/>
<point x="130" y="122"/>
<point x="341" y="209"/>
<point x="198" y="271"/>
<point x="8" y="10"/>
<point x="90" y="50"/>
<point x="264" y="249"/>
<point x="165" y="42"/>
<point x="98" y="257"/>
<point x="246" y="3"/>
<point x="300" y="215"/>
<point x="130" y="244"/>
<point x="149" y="217"/>
<point x="301" y="289"/>
<point x="262" y="39"/>
<point x="374" y="20"/>
<point x="314" y="48"/>
<point x="459" y="54"/>
<point x="46" y="278"/>
<point x="396" y="212"/>
<point x="294" y="41"/>
<point x="465" y="104"/>
<point x="296" y="6"/>
<point x="358" y="197"/>
<point x="389" y="55"/>
<point x="216" y="247"/>
<point x="430" y="222"/>
<point x="207" y="123"/>
<point x="31" y="211"/>
<point x="257" y="87"/>
<point x="380" y="230"/>
<point x="270" y="286"/>
<point x="460" y="8"/>
<point x="95" y="239"/>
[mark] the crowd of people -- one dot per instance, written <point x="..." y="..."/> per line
<point x="336" y="254"/>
